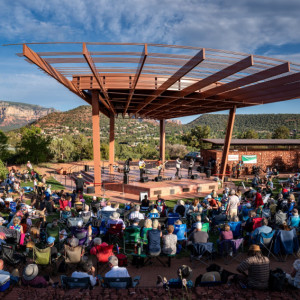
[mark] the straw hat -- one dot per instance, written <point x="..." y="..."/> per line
<point x="115" y="216"/>
<point x="254" y="248"/>
<point x="79" y="176"/>
<point x="30" y="272"/>
<point x="154" y="211"/>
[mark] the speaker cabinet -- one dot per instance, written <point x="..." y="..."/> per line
<point x="158" y="178"/>
<point x="195" y="176"/>
<point x="145" y="179"/>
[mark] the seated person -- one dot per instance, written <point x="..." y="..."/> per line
<point x="85" y="269"/>
<point x="115" y="219"/>
<point x="179" y="208"/>
<point x="154" y="213"/>
<point x="213" y="206"/>
<point x="66" y="213"/>
<point x="145" y="203"/>
<point x="294" y="219"/>
<point x="52" y="229"/>
<point x="198" y="236"/>
<point x="84" y="234"/>
<point x="108" y="207"/>
<point x="258" y="267"/>
<point x="50" y="206"/>
<point x="31" y="277"/>
<point x="153" y="237"/>
<point x="272" y="207"/>
<point x="16" y="225"/>
<point x="50" y="243"/>
<point x="85" y="214"/>
<point x="264" y="228"/>
<point x="184" y="272"/>
<point x="134" y="223"/>
<point x="294" y="277"/>
<point x="169" y="241"/>
<point x="147" y="226"/>
<point x="266" y="212"/>
<point x="115" y="270"/>
<point x="226" y="234"/>
<point x="14" y="275"/>
<point x="280" y="217"/>
<point x="136" y="214"/>
<point x="249" y="223"/>
<point x="101" y="250"/>
<point x="95" y="203"/>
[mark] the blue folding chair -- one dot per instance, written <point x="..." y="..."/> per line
<point x="153" y="215"/>
<point x="294" y="221"/>
<point x="266" y="240"/>
<point x="13" y="207"/>
<point x="172" y="218"/>
<point x="235" y="227"/>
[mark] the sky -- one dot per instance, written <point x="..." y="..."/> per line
<point x="268" y="27"/>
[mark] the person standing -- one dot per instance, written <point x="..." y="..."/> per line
<point x="142" y="166"/>
<point x="178" y="166"/>
<point x="159" y="166"/>
<point x="238" y="170"/>
<point x="232" y="206"/>
<point x="191" y="165"/>
<point x="79" y="182"/>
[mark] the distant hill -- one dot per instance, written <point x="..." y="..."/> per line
<point x="14" y="115"/>
<point x="262" y="123"/>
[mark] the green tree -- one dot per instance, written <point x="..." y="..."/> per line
<point x="104" y="148"/>
<point x="193" y="138"/>
<point x="3" y="170"/>
<point x="281" y="132"/>
<point x="249" y="134"/>
<point x="34" y="146"/>
<point x="3" y="145"/>
<point x="62" y="149"/>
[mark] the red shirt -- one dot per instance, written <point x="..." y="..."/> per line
<point x="258" y="200"/>
<point x="213" y="203"/>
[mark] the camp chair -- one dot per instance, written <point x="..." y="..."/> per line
<point x="172" y="218"/>
<point x="202" y="252"/>
<point x="42" y="256"/>
<point x="13" y="207"/>
<point x="245" y="213"/>
<point x="54" y="232"/>
<point x="63" y="204"/>
<point x="65" y="215"/>
<point x="228" y="249"/>
<point x="131" y="237"/>
<point x="75" y="283"/>
<point x="79" y="206"/>
<point x="153" y="215"/>
<point x="120" y="282"/>
<point x="115" y="233"/>
<point x="256" y="223"/>
<point x="235" y="227"/>
<point x="73" y="222"/>
<point x="85" y="215"/>
<point x="205" y="227"/>
<point x="81" y="234"/>
<point x="286" y="243"/>
<point x="10" y="256"/>
<point x="266" y="241"/>
<point x="103" y="252"/>
<point x="144" y="235"/>
<point x="73" y="255"/>
<point x="105" y="215"/>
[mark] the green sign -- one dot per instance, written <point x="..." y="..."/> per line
<point x="249" y="159"/>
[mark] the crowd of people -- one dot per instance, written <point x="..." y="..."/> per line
<point x="66" y="231"/>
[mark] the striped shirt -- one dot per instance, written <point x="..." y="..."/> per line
<point x="258" y="271"/>
<point x="136" y="215"/>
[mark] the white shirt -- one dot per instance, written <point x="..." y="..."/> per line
<point x="136" y="214"/>
<point x="83" y="275"/>
<point x="233" y="202"/>
<point x="141" y="163"/>
<point x="117" y="272"/>
<point x="178" y="164"/>
<point x="107" y="208"/>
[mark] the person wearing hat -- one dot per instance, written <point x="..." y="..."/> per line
<point x="85" y="269"/>
<point x="79" y="182"/>
<point x="255" y="268"/>
<point x="31" y="277"/>
<point x="136" y="214"/>
<point x="115" y="219"/>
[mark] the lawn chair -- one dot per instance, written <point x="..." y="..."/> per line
<point x="105" y="215"/>
<point x="63" y="204"/>
<point x="172" y="218"/>
<point x="131" y="237"/>
<point x="256" y="223"/>
<point x="266" y="241"/>
<point x="205" y="227"/>
<point x="73" y="222"/>
<point x="229" y="250"/>
<point x="75" y="283"/>
<point x="115" y="233"/>
<point x="202" y="252"/>
<point x="102" y="253"/>
<point x="54" y="232"/>
<point x="81" y="234"/>
<point x="10" y="257"/>
<point x="235" y="227"/>
<point x="286" y="243"/>
<point x="120" y="282"/>
<point x="73" y="255"/>
<point x="144" y="238"/>
<point x="42" y="257"/>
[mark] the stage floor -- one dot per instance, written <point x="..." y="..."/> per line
<point x="114" y="182"/>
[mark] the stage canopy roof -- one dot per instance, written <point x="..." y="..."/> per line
<point x="165" y="81"/>
<point x="256" y="142"/>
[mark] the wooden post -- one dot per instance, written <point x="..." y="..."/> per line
<point x="96" y="141"/>
<point x="111" y="143"/>
<point x="227" y="142"/>
<point x="162" y="148"/>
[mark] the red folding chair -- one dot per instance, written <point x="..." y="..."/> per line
<point x="115" y="233"/>
<point x="63" y="204"/>
<point x="256" y="223"/>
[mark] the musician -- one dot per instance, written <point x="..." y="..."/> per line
<point x="142" y="166"/>
<point x="191" y="165"/>
<point x="159" y="166"/>
<point x="178" y="166"/>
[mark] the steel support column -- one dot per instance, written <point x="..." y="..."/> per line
<point x="96" y="141"/>
<point x="227" y="142"/>
<point x="162" y="147"/>
<point x="111" y="143"/>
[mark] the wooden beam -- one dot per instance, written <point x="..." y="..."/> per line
<point x="162" y="148"/>
<point x="137" y="76"/>
<point x="111" y="143"/>
<point x="190" y="65"/>
<point x="96" y="142"/>
<point x="93" y="68"/>
<point x="227" y="142"/>
<point x="230" y="70"/>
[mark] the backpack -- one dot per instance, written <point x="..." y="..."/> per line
<point x="277" y="280"/>
<point x="122" y="260"/>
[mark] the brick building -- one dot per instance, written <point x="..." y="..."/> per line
<point x="281" y="153"/>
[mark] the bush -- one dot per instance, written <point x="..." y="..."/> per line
<point x="177" y="150"/>
<point x="3" y="170"/>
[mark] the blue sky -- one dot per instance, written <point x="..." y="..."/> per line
<point x="269" y="27"/>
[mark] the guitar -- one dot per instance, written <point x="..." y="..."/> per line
<point x="161" y="166"/>
<point x="143" y="166"/>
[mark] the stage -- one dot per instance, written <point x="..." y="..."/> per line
<point x="169" y="186"/>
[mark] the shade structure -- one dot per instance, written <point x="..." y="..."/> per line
<point x="165" y="81"/>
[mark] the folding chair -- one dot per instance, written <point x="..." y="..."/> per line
<point x="266" y="240"/>
<point x="81" y="234"/>
<point x="256" y="223"/>
<point x="172" y="218"/>
<point x="75" y="283"/>
<point x="144" y="238"/>
<point x="73" y="222"/>
<point x="286" y="243"/>
<point x="131" y="237"/>
<point x="229" y="250"/>
<point x="115" y="233"/>
<point x="102" y="253"/>
<point x="65" y="215"/>
<point x="54" y="232"/>
<point x="205" y="227"/>
<point x="235" y="227"/>
<point x="200" y="250"/>
<point x="120" y="282"/>
<point x="63" y="204"/>
<point x="105" y="215"/>
<point x="10" y="256"/>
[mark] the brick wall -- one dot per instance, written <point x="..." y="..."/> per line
<point x="285" y="160"/>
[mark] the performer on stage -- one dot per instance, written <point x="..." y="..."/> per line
<point x="178" y="166"/>
<point x="191" y="165"/>
<point x="159" y="166"/>
<point x="142" y="166"/>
